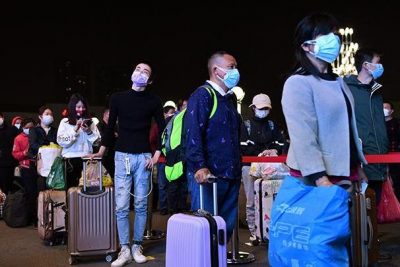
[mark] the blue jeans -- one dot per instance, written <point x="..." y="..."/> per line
<point x="162" y="187"/>
<point x="123" y="182"/>
<point x="228" y="194"/>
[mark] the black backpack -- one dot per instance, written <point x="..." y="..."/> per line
<point x="15" y="210"/>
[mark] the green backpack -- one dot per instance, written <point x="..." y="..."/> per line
<point x="173" y="140"/>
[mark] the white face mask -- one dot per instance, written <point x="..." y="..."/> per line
<point x="1" y="121"/>
<point x="26" y="131"/>
<point x="386" y="112"/>
<point x="47" y="120"/>
<point x="261" y="114"/>
<point x="18" y="125"/>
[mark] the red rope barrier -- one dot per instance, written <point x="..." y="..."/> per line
<point x="391" y="157"/>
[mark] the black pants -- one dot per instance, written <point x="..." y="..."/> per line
<point x="29" y="182"/>
<point x="6" y="178"/>
<point x="177" y="194"/>
<point x="377" y="187"/>
<point x="74" y="167"/>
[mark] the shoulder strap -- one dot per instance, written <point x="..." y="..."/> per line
<point x="212" y="93"/>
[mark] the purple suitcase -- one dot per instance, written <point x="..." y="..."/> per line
<point x="197" y="240"/>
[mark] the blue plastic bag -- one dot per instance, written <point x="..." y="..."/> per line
<point x="309" y="226"/>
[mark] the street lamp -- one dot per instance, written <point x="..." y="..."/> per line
<point x="238" y="91"/>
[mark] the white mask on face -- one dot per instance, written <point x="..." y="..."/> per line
<point x="386" y="112"/>
<point x="26" y="131"/>
<point x="47" y="120"/>
<point x="1" y="121"/>
<point x="18" y="125"/>
<point x="261" y="114"/>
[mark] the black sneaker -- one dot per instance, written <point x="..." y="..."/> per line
<point x="163" y="212"/>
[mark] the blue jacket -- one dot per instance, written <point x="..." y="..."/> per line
<point x="213" y="143"/>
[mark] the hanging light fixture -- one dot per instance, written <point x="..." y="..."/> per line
<point x="344" y="64"/>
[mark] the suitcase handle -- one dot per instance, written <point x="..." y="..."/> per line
<point x="210" y="179"/>
<point x="370" y="233"/>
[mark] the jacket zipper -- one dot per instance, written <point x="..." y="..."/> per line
<point x="372" y="118"/>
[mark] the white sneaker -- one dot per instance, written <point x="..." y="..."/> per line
<point x="124" y="257"/>
<point x="137" y="253"/>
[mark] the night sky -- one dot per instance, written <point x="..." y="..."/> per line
<point x="99" y="44"/>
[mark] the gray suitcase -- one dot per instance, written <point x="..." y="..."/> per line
<point x="91" y="220"/>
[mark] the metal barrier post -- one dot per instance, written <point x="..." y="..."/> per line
<point x="149" y="233"/>
<point x="235" y="256"/>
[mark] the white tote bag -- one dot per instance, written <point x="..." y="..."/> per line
<point x="46" y="157"/>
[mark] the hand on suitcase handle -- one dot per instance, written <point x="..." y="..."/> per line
<point x="201" y="175"/>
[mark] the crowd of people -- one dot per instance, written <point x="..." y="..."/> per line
<point x="332" y="123"/>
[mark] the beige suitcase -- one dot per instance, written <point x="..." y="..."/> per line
<point x="51" y="216"/>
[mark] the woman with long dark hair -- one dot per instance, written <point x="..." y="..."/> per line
<point x="76" y="135"/>
<point x="324" y="145"/>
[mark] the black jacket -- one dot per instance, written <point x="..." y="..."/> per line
<point x="38" y="138"/>
<point x="370" y="123"/>
<point x="7" y="135"/>
<point x="258" y="135"/>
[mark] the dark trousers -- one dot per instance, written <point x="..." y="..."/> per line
<point x="162" y="187"/>
<point x="74" y="167"/>
<point x="228" y="194"/>
<point x="6" y="178"/>
<point x="177" y="194"/>
<point x="377" y="187"/>
<point x="29" y="182"/>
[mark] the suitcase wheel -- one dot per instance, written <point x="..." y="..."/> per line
<point x="110" y="257"/>
<point x="72" y="260"/>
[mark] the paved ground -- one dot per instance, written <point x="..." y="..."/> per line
<point x="22" y="247"/>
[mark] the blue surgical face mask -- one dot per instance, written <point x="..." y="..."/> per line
<point x="377" y="72"/>
<point x="47" y="120"/>
<point x="261" y="113"/>
<point x="326" y="47"/>
<point x="139" y="79"/>
<point x="231" y="77"/>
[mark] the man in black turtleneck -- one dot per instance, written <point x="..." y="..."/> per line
<point x="259" y="137"/>
<point x="134" y="110"/>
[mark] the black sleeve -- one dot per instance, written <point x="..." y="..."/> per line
<point x="278" y="140"/>
<point x="33" y="142"/>
<point x="248" y="148"/>
<point x="310" y="179"/>
<point x="107" y="140"/>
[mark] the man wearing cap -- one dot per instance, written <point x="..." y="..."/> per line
<point x="259" y="137"/>
<point x="169" y="110"/>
